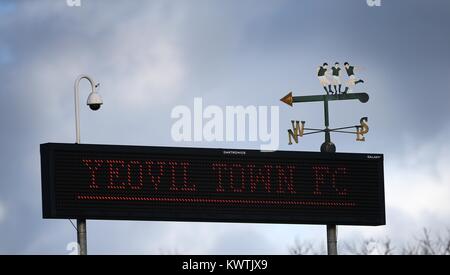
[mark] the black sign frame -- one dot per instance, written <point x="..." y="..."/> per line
<point x="51" y="201"/>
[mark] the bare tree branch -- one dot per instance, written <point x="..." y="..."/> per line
<point x="428" y="243"/>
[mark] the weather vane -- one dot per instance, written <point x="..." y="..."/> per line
<point x="298" y="127"/>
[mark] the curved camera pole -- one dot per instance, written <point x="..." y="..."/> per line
<point x="81" y="223"/>
<point x="77" y="101"/>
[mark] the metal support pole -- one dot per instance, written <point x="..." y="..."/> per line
<point x="81" y="223"/>
<point x="331" y="228"/>
<point x="82" y="236"/>
<point x="332" y="239"/>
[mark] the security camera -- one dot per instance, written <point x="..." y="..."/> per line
<point x="94" y="101"/>
<point x="95" y="107"/>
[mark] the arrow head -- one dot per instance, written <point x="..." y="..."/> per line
<point x="287" y="99"/>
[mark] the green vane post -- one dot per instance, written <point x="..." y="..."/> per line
<point x="328" y="146"/>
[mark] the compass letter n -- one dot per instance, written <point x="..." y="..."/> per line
<point x="296" y="131"/>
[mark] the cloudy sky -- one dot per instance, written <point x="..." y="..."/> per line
<point x="151" y="56"/>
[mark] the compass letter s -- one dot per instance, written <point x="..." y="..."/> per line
<point x="362" y="129"/>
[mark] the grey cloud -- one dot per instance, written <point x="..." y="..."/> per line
<point x="152" y="55"/>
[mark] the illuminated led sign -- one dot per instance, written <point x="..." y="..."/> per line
<point x="211" y="185"/>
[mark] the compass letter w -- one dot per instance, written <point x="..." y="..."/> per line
<point x="296" y="131"/>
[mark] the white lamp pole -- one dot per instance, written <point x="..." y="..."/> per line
<point x="94" y="102"/>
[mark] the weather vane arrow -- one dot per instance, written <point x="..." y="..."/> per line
<point x="289" y="99"/>
<point x="298" y="130"/>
